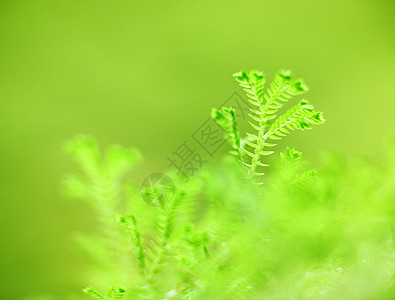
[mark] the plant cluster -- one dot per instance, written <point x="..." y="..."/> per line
<point x="303" y="234"/>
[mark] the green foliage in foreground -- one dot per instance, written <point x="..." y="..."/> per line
<point x="303" y="234"/>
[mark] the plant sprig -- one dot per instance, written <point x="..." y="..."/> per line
<point x="265" y="121"/>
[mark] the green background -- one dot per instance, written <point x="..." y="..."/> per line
<point x="146" y="74"/>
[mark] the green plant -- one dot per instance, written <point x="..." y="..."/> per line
<point x="264" y="115"/>
<point x="305" y="234"/>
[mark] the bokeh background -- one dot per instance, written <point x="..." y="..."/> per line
<point x="146" y="74"/>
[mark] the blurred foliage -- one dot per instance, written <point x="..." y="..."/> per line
<point x="146" y="74"/>
<point x="323" y="236"/>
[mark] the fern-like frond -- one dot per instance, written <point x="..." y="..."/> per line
<point x="253" y="84"/>
<point x="290" y="157"/>
<point x="130" y="223"/>
<point x="283" y="87"/>
<point x="264" y="113"/>
<point x="102" y="176"/>
<point x="116" y="293"/>
<point x="290" y="165"/>
<point x="83" y="149"/>
<point x="94" y="293"/>
<point x="119" y="160"/>
<point x="76" y="187"/>
<point x="305" y="177"/>
<point x="226" y="118"/>
<point x="300" y="117"/>
<point x="100" y="184"/>
<point x="164" y="230"/>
